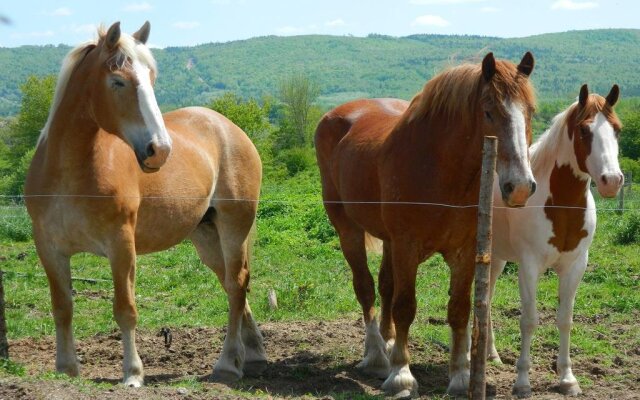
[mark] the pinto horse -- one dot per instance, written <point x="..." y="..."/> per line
<point x="381" y="160"/>
<point x="582" y="144"/>
<point x="113" y="176"/>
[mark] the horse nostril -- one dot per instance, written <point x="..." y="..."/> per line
<point x="151" y="150"/>
<point x="507" y="188"/>
<point x="604" y="179"/>
<point x="534" y="186"/>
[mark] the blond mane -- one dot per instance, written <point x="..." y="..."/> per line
<point x="127" y="49"/>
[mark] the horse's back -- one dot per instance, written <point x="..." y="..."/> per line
<point x="348" y="141"/>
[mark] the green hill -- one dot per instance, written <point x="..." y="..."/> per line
<point x="350" y="67"/>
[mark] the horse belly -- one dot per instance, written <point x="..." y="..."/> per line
<point x="166" y="223"/>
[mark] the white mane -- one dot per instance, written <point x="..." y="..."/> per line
<point x="545" y="150"/>
<point x="128" y="48"/>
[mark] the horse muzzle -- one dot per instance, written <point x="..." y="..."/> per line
<point x="516" y="195"/>
<point x="153" y="156"/>
<point x="609" y="184"/>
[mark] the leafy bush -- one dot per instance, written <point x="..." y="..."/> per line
<point x="296" y="160"/>
<point x="318" y="226"/>
<point x="633" y="166"/>
<point x="627" y="230"/>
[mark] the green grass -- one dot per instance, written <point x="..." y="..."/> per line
<point x="297" y="254"/>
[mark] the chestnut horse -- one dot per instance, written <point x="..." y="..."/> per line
<point x="113" y="176"/>
<point x="557" y="230"/>
<point x="380" y="158"/>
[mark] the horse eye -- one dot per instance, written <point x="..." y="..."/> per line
<point x="116" y="84"/>
<point x="488" y="115"/>
<point x="585" y="131"/>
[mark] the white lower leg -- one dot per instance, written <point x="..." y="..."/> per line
<point x="375" y="359"/>
<point x="131" y="363"/>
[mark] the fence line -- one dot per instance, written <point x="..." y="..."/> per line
<point x="309" y="200"/>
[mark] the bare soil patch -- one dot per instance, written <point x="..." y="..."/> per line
<point x="307" y="359"/>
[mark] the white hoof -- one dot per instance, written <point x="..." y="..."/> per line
<point x="375" y="365"/>
<point x="401" y="384"/>
<point x="459" y="384"/>
<point x="570" y="388"/>
<point x="134" y="381"/>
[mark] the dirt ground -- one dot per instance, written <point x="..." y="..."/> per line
<point x="307" y="359"/>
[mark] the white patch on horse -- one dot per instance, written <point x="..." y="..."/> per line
<point x="391" y="106"/>
<point x="604" y="145"/>
<point x="149" y="106"/>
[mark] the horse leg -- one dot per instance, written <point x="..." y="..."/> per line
<point x="352" y="242"/>
<point x="122" y="257"/>
<point x="58" y="270"/>
<point x="233" y="226"/>
<point x="207" y="243"/>
<point x="569" y="280"/>
<point x="497" y="266"/>
<point x="462" y="271"/>
<point x="385" y="285"/>
<point x="405" y="259"/>
<point x="528" y="275"/>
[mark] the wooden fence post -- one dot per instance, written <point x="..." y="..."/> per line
<point x="621" y="200"/>
<point x="477" y="383"/>
<point x="4" y="344"/>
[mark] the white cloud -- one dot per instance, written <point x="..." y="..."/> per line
<point x="573" y="5"/>
<point x="442" y="2"/>
<point x="335" y="23"/>
<point x="186" y="24"/>
<point x="61" y="12"/>
<point x="431" y="20"/>
<point x="138" y="7"/>
<point x="490" y="9"/>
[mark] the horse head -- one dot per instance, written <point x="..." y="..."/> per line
<point x="122" y="101"/>
<point x="507" y="105"/>
<point x="594" y="129"/>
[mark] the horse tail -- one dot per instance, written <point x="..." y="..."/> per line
<point x="372" y="243"/>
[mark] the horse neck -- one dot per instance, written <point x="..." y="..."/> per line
<point x="554" y="152"/>
<point x="71" y="132"/>
<point x="449" y="144"/>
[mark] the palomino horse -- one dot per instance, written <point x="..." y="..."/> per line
<point x="381" y="159"/>
<point x="582" y="144"/>
<point x="114" y="177"/>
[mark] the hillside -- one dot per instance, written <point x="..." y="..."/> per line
<point x="349" y="67"/>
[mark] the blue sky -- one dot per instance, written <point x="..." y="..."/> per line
<point x="191" y="22"/>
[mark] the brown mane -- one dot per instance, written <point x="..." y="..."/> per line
<point x="456" y="92"/>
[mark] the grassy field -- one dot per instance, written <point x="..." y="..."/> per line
<point x="296" y="254"/>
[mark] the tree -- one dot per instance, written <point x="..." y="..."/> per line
<point x="249" y="115"/>
<point x="20" y="136"/>
<point x="298" y="93"/>
<point x="37" y="94"/>
<point x="630" y="136"/>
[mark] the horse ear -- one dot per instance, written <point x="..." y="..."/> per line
<point x="612" y="97"/>
<point x="526" y="64"/>
<point x="113" y="36"/>
<point x="584" y="94"/>
<point x="142" y="35"/>
<point x="488" y="67"/>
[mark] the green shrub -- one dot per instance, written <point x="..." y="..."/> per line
<point x="627" y="230"/>
<point x="296" y="160"/>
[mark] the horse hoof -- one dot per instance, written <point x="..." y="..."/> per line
<point x="459" y="384"/>
<point x="133" y="381"/>
<point x="380" y="372"/>
<point x="457" y="392"/>
<point x="570" y="388"/>
<point x="254" y="368"/>
<point x="401" y="384"/>
<point x="521" y="392"/>
<point x="70" y="369"/>
<point x="494" y="358"/>
<point x="225" y="376"/>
